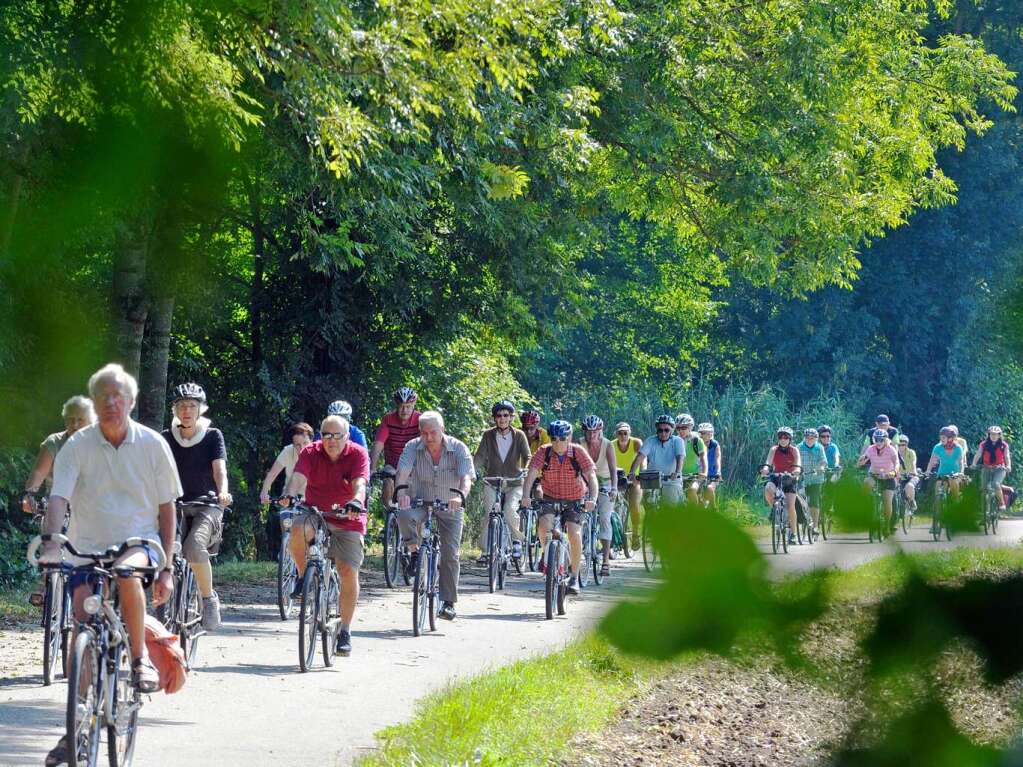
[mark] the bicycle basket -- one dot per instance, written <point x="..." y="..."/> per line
<point x="650" y="480"/>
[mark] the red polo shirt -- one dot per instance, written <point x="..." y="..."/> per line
<point x="330" y="482"/>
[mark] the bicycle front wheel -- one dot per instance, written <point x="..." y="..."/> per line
<point x="308" y="618"/>
<point x="84" y="701"/>
<point x="392" y="550"/>
<point x="625" y="516"/>
<point x="493" y="552"/>
<point x="420" y="592"/>
<point x="587" y="553"/>
<point x="433" y="603"/>
<point x="191" y="617"/>
<point x="287" y="577"/>
<point x="329" y="612"/>
<point x="125" y="703"/>
<point x="53" y="604"/>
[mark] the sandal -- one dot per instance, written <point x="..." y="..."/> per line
<point x="145" y="675"/>
<point x="36" y="599"/>
<point x="605" y="570"/>
<point x="59" y="754"/>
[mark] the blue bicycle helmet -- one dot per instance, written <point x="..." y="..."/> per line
<point x="559" y="429"/>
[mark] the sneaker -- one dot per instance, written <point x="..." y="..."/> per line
<point x="59" y="754"/>
<point x="792" y="539"/>
<point x="483" y="561"/>
<point x="344" y="643"/>
<point x="516" y="549"/>
<point x="447" y="611"/>
<point x="605" y="570"/>
<point x="413" y="565"/>
<point x="145" y="676"/>
<point x="211" y="612"/>
<point x="296" y="593"/>
<point x="572" y="587"/>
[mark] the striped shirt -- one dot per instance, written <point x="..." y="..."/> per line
<point x="430" y="481"/>
<point x="395" y="435"/>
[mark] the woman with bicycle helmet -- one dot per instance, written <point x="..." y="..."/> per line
<point x="602" y="451"/>
<point x="831" y="451"/>
<point x="503" y="452"/>
<point x="815" y="467"/>
<point x="396" y="429"/>
<point x="344" y="409"/>
<point x="535" y="434"/>
<point x="782" y="468"/>
<point x="993" y="453"/>
<point x="715" y="461"/>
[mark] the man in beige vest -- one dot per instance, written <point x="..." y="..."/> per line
<point x="503" y="452"/>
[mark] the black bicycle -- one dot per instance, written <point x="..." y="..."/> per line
<point x="827" y="518"/>
<point x="623" y="524"/>
<point x="182" y="613"/>
<point x="651" y="481"/>
<point x="555" y="563"/>
<point x="100" y="693"/>
<point x="991" y="501"/>
<point x="880" y="525"/>
<point x="498" y="545"/>
<point x="287" y="570"/>
<point x="592" y="557"/>
<point x="780" y="530"/>
<point x="396" y="557"/>
<point x="57" y="614"/>
<point x="942" y="494"/>
<point x="530" y="540"/>
<point x="318" y="612"/>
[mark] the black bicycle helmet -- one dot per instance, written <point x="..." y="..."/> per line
<point x="502" y="405"/>
<point x="405" y="394"/>
<point x="559" y="428"/>
<point x="664" y="419"/>
<point x="824" y="429"/>
<point x="189" y="391"/>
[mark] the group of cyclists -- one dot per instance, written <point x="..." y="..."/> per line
<point x="890" y="464"/>
<point x="113" y="480"/>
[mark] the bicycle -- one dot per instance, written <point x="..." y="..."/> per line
<point x="555" y="562"/>
<point x="651" y="481"/>
<point x="991" y="502"/>
<point x="621" y="512"/>
<point x="182" y="613"/>
<point x="827" y="518"/>
<point x="318" y="611"/>
<point x="426" y="579"/>
<point x="941" y="494"/>
<point x="780" y="529"/>
<point x="530" y="540"/>
<point x="396" y="556"/>
<point x="287" y="569"/>
<point x="100" y="692"/>
<point x="880" y="525"/>
<point x="592" y="556"/>
<point x="905" y="511"/>
<point x="57" y="613"/>
<point x="499" y="535"/>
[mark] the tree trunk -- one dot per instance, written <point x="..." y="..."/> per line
<point x="11" y="214"/>
<point x="156" y="354"/>
<point x="131" y="303"/>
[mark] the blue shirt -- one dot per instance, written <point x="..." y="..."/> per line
<point x="948" y="463"/>
<point x="660" y="456"/>
<point x="812" y="459"/>
<point x="712" y="459"/>
<point x="831" y="452"/>
<point x="356" y="435"/>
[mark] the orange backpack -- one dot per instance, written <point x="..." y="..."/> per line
<point x="166" y="654"/>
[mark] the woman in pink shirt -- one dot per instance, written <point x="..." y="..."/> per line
<point x="883" y="462"/>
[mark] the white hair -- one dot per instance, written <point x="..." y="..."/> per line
<point x="116" y="373"/>
<point x="340" y="420"/>
<point x="81" y="405"/>
<point x="431" y="417"/>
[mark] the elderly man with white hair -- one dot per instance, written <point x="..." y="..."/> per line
<point x="119" y="477"/>
<point x="77" y="414"/>
<point x="432" y="466"/>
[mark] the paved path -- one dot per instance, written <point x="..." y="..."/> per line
<point x="246" y="700"/>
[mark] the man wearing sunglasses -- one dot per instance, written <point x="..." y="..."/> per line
<point x="695" y="461"/>
<point x="333" y="472"/>
<point x="503" y="452"/>
<point x="663" y="452"/>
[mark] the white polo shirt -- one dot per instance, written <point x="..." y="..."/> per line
<point x="288" y="457"/>
<point x="115" y="493"/>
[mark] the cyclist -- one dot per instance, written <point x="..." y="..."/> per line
<point x="949" y="458"/>
<point x="121" y="479"/>
<point x="344" y="409"/>
<point x="831" y="451"/>
<point x="883" y="423"/>
<point x="715" y="462"/>
<point x="782" y="458"/>
<point x="882" y="461"/>
<point x="961" y="441"/>
<point x="431" y="465"/>
<point x="910" y="472"/>
<point x="536" y="434"/>
<point x="503" y="452"/>
<point x="301" y="436"/>
<point x="663" y="452"/>
<point x="201" y="458"/>
<point x="626" y="449"/>
<point x="396" y="429"/>
<point x="602" y="453"/>
<point x="815" y="463"/>
<point x="77" y="414"/>
<point x="993" y="453"/>
<point x="695" y="461"/>
<point x="567" y="473"/>
<point x="332" y="474"/>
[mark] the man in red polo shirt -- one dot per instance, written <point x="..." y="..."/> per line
<point x="396" y="429"/>
<point x="332" y="475"/>
<point x="567" y="473"/>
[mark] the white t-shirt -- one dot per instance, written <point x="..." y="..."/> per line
<point x="115" y="493"/>
<point x="288" y="457"/>
<point x="504" y="443"/>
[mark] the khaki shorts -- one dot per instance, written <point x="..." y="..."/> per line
<point x="345" y="545"/>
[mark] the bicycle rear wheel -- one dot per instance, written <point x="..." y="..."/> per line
<point x="504" y="554"/>
<point x="191" y="617"/>
<point x="125" y="704"/>
<point x="308" y="615"/>
<point x="624" y="516"/>
<point x="647" y="544"/>
<point x="53" y="604"/>
<point x="84" y="701"/>
<point x="329" y="612"/>
<point x="392" y="550"/>
<point x="562" y="578"/>
<point x="493" y="552"/>
<point x="551" y="581"/>
<point x="287" y="576"/>
<point x="530" y="541"/>
<point x="434" y="601"/>
<point x="420" y="592"/>
<point x="587" y="554"/>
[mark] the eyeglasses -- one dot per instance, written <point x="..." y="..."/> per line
<point x="783" y="436"/>
<point x="825" y="436"/>
<point x="329" y="435"/>
<point x="560" y="439"/>
<point x="664" y="431"/>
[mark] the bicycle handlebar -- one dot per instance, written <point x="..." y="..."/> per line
<point x="110" y="554"/>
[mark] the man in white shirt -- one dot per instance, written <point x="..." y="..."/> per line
<point x="121" y="481"/>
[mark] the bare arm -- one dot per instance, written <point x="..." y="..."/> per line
<point x="932" y="463"/>
<point x="264" y="491"/>
<point x="297" y="484"/>
<point x="359" y="486"/>
<point x="612" y="465"/>
<point x="41" y="469"/>
<point x="721" y="460"/>
<point x="703" y="463"/>
<point x="402" y="479"/>
<point x="374" y="455"/>
<point x="527" y="484"/>
<point x="636" y="463"/>
<point x="55" y="513"/>
<point x="220" y="480"/>
<point x="592" y="487"/>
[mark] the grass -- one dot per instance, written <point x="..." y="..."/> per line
<point x="14" y="602"/>
<point x="527" y="713"/>
<point x="245" y="572"/>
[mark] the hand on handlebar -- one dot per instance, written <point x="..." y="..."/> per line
<point x="455" y="504"/>
<point x="404" y="502"/>
<point x="163" y="587"/>
<point x="589" y="504"/>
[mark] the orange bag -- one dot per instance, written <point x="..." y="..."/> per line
<point x="166" y="654"/>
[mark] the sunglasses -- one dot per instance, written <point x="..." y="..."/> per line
<point x="329" y="435"/>
<point x="503" y="415"/>
<point x="560" y="439"/>
<point x="783" y="436"/>
<point x="664" y="431"/>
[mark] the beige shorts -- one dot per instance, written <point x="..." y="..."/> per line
<point x="347" y="546"/>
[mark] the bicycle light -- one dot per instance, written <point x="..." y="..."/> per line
<point x="286" y="522"/>
<point x="92" y="604"/>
